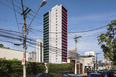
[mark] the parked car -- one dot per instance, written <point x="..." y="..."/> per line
<point x="74" y="75"/>
<point x="94" y="75"/>
<point x="45" y="75"/>
<point x="84" y="76"/>
<point x="103" y="73"/>
<point x="111" y="73"/>
<point x="114" y="72"/>
<point x="65" y="74"/>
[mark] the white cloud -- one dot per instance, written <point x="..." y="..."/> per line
<point x="95" y="17"/>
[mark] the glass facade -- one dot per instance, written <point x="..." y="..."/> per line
<point x="46" y="37"/>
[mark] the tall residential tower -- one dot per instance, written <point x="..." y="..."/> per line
<point x="55" y="35"/>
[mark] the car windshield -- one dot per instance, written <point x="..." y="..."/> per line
<point x="75" y="76"/>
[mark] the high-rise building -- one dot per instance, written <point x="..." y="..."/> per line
<point x="55" y="35"/>
<point x="32" y="56"/>
<point x="39" y="50"/>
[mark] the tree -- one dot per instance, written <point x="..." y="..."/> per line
<point x="108" y="42"/>
<point x="2" y="46"/>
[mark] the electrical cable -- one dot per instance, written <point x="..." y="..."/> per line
<point x="17" y="11"/>
<point x="27" y="45"/>
<point x="89" y="30"/>
<point x="9" y="6"/>
<point x="3" y="20"/>
<point x="24" y="6"/>
<point x="10" y="31"/>
<point x="32" y="43"/>
<point x="15" y="15"/>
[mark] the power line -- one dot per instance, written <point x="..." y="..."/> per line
<point x="10" y="31"/>
<point x="15" y="15"/>
<point x="3" y="20"/>
<point x="23" y="9"/>
<point x="14" y="4"/>
<point x="75" y="32"/>
<point x="31" y="43"/>
<point x="89" y="30"/>
<point x="33" y="32"/>
<point x="27" y="45"/>
<point x="6" y="36"/>
<point x="16" y="10"/>
<point x="9" y="6"/>
<point x="20" y="38"/>
<point x="24" y="5"/>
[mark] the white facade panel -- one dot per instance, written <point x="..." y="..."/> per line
<point x="55" y="34"/>
<point x="10" y="54"/>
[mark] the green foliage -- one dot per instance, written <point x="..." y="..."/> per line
<point x="58" y="69"/>
<point x="34" y="68"/>
<point x="4" y="68"/>
<point x="108" y="42"/>
<point x="1" y="45"/>
<point x="14" y="68"/>
<point x="113" y="67"/>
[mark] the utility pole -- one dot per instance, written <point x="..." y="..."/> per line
<point x="96" y="60"/>
<point x="25" y="30"/>
<point x="76" y="51"/>
<point x="25" y="12"/>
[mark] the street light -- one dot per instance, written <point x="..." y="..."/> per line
<point x="42" y="4"/>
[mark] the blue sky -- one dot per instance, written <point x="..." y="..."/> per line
<point x="82" y="15"/>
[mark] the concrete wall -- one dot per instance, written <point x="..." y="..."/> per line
<point x="12" y="54"/>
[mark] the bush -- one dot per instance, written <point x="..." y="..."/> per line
<point x="58" y="69"/>
<point x="14" y="68"/>
<point x="113" y="67"/>
<point x="34" y="68"/>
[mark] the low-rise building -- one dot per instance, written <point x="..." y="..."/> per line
<point x="88" y="63"/>
<point x="10" y="54"/>
<point x="81" y="64"/>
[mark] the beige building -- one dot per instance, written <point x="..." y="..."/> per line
<point x="32" y="56"/>
<point x="39" y="50"/>
<point x="10" y="54"/>
<point x="88" y="61"/>
<point x="81" y="64"/>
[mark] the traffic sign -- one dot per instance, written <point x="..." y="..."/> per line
<point x="23" y="61"/>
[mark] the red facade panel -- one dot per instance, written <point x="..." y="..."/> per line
<point x="64" y="34"/>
